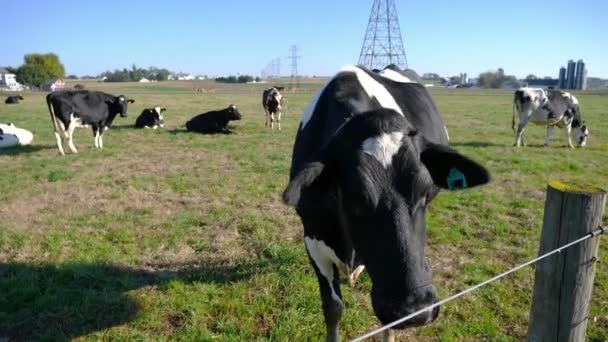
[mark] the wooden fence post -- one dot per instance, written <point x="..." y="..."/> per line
<point x="563" y="281"/>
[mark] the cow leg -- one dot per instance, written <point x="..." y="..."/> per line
<point x="101" y="131"/>
<point x="331" y="297"/>
<point x="279" y="120"/>
<point x="272" y="121"/>
<point x="59" y="138"/>
<point x="70" y="136"/>
<point x="388" y="335"/>
<point x="267" y="117"/>
<point x="60" y="135"/>
<point x="567" y="129"/>
<point x="519" y="138"/>
<point x="549" y="134"/>
<point x="96" y="135"/>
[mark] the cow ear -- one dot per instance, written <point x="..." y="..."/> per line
<point x="131" y="101"/>
<point x="302" y="180"/>
<point x="163" y="109"/>
<point x="451" y="170"/>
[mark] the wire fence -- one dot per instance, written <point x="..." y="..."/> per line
<point x="600" y="230"/>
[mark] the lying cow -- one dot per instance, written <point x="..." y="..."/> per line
<point x="151" y="118"/>
<point x="23" y="136"/>
<point x="272" y="101"/>
<point x="214" y="121"/>
<point x="82" y="108"/>
<point x="552" y="108"/>
<point x="14" y="99"/>
<point x="370" y="154"/>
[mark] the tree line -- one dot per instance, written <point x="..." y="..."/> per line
<point x="239" y="79"/>
<point x="135" y="74"/>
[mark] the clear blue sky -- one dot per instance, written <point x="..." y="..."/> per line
<point x="229" y="36"/>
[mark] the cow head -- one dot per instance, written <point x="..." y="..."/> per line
<point x="384" y="173"/>
<point x="581" y="132"/>
<point x="120" y="105"/>
<point x="20" y="97"/>
<point x="233" y="113"/>
<point x="159" y="119"/>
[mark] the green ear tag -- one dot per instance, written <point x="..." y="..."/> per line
<point x="456" y="180"/>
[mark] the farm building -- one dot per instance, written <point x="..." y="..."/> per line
<point x="53" y="84"/>
<point x="8" y="80"/>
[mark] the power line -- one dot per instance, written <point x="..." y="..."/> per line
<point x="294" y="80"/>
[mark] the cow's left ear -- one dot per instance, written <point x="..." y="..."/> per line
<point x="451" y="170"/>
<point x="131" y="101"/>
<point x="163" y="109"/>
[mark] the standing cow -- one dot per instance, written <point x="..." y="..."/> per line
<point x="552" y="108"/>
<point x="272" y="101"/>
<point x="82" y="108"/>
<point x="370" y="154"/>
<point x="14" y="99"/>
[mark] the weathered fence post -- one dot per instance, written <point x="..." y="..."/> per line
<point x="563" y="283"/>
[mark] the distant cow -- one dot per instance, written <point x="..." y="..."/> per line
<point x="82" y="108"/>
<point x="552" y="108"/>
<point x="14" y="99"/>
<point x="151" y="118"/>
<point x="272" y="101"/>
<point x="370" y="155"/>
<point x="214" y="121"/>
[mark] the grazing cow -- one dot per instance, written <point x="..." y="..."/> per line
<point x="82" y="108"/>
<point x="24" y="137"/>
<point x="214" y="121"/>
<point x="151" y="118"/>
<point x="14" y="99"/>
<point x="272" y="100"/>
<point x="370" y="154"/>
<point x="552" y="108"/>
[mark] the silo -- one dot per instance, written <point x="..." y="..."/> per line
<point x="570" y="75"/>
<point x="562" y="78"/>
<point x="580" y="74"/>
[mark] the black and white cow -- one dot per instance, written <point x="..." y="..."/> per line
<point x="14" y="99"/>
<point x="549" y="108"/>
<point x="214" y="121"/>
<point x="82" y="108"/>
<point x="151" y="118"/>
<point x="272" y="101"/>
<point x="370" y="154"/>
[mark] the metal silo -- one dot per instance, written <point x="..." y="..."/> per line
<point x="580" y="74"/>
<point x="562" y="78"/>
<point x="570" y="75"/>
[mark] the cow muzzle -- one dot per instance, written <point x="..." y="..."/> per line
<point x="389" y="309"/>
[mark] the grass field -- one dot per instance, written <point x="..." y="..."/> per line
<point x="165" y="235"/>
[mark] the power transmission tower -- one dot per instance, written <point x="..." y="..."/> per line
<point x="294" y="80"/>
<point x="383" y="44"/>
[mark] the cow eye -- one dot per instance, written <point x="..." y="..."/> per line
<point x="412" y="133"/>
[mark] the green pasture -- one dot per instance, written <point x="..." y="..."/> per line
<point x="166" y="235"/>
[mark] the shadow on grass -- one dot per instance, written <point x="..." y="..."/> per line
<point x="61" y="302"/>
<point x="13" y="151"/>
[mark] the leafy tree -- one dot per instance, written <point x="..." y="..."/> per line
<point x="39" y="68"/>
<point x="494" y="79"/>
<point x="49" y="61"/>
<point x="531" y="77"/>
<point x="162" y="74"/>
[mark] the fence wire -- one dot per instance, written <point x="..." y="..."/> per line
<point x="600" y="230"/>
